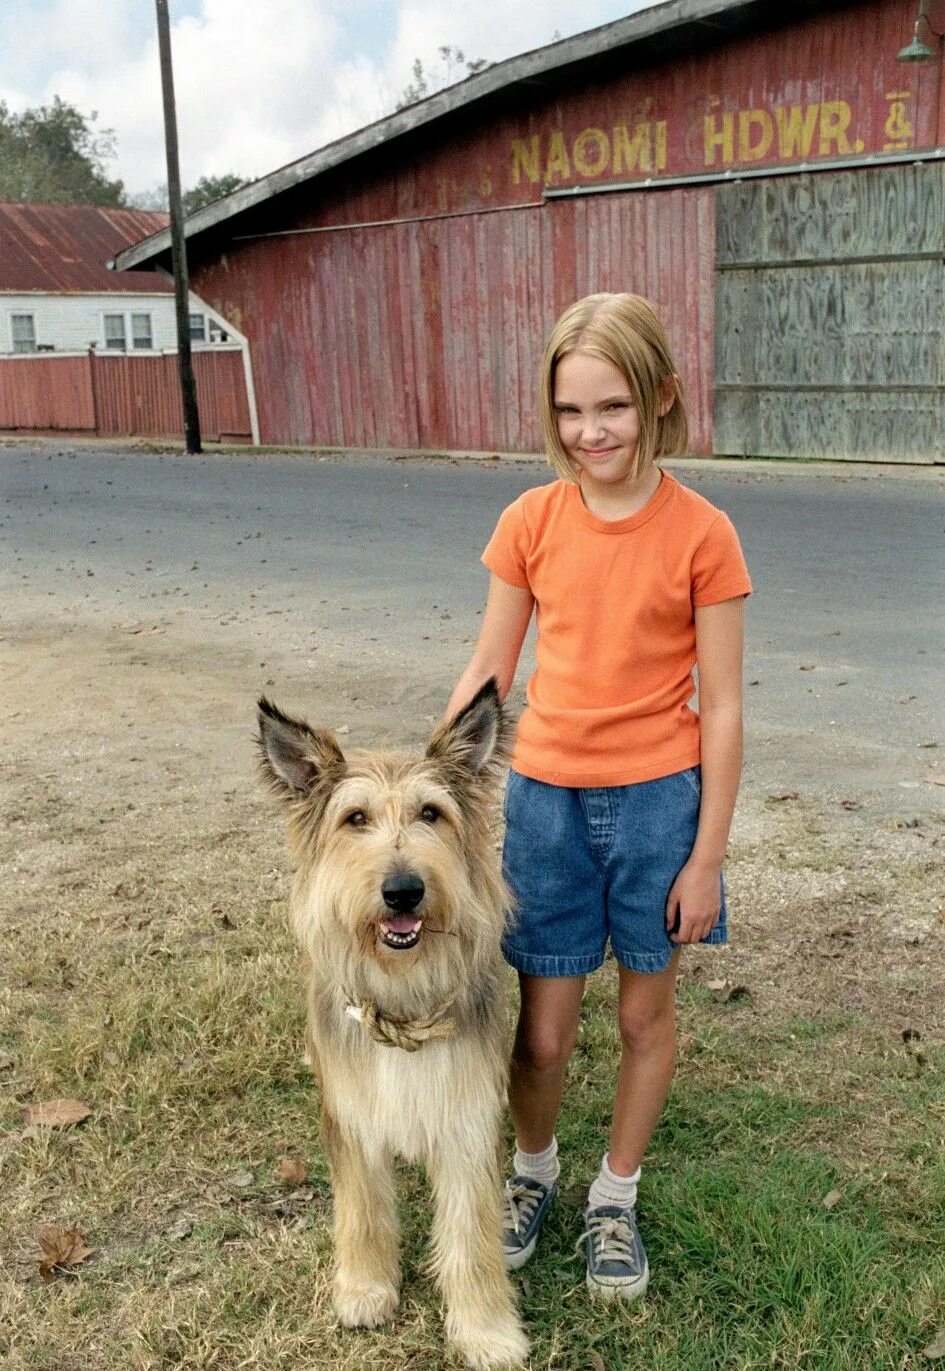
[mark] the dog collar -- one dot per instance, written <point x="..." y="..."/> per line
<point x="390" y="1030"/>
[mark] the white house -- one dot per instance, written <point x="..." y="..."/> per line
<point x="57" y="295"/>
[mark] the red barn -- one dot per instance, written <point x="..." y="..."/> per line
<point x="771" y="176"/>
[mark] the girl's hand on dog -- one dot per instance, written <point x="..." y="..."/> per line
<point x="694" y="903"/>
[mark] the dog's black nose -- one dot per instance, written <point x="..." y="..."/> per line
<point x="403" y="891"/>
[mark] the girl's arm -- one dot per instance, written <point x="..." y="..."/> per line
<point x="695" y="893"/>
<point x="504" y="625"/>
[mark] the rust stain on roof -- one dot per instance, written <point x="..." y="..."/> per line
<point x="65" y="248"/>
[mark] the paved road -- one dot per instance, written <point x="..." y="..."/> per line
<point x="370" y="566"/>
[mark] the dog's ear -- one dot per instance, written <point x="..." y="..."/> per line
<point x="478" y="738"/>
<point x="295" y="758"/>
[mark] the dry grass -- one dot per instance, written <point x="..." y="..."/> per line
<point x="149" y="973"/>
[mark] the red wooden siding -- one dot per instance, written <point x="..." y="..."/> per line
<point x="47" y="393"/>
<point x="428" y="333"/>
<point x="120" y="395"/>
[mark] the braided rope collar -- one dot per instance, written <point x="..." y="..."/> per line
<point x="392" y="1031"/>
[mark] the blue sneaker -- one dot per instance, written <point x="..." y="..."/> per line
<point x="525" y="1203"/>
<point x="616" y="1262"/>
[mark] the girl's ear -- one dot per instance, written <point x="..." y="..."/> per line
<point x="669" y="394"/>
<point x="294" y="758"/>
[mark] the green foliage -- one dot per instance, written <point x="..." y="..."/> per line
<point x="53" y="154"/>
<point x="210" y="188"/>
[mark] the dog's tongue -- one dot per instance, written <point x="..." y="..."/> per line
<point x="402" y="923"/>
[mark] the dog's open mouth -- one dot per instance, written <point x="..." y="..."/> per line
<point x="400" y="930"/>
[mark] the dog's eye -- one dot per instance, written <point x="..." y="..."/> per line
<point x="429" y="814"/>
<point x="356" y="819"/>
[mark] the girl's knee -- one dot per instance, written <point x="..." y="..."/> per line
<point x="542" y="1048"/>
<point x="644" y="1028"/>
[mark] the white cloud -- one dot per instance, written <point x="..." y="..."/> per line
<point x="257" y="84"/>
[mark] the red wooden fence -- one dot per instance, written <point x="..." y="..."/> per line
<point x="116" y="395"/>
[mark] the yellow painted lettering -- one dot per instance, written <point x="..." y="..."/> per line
<point x="661" y="145"/>
<point x="633" y="153"/>
<point x="796" y="125"/>
<point x="898" y="127"/>
<point x="558" y="163"/>
<point x="835" y="117"/>
<point x="755" y="134"/>
<point x="591" y="152"/>
<point x="525" y="159"/>
<point x="719" y="139"/>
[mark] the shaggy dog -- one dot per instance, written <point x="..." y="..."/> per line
<point x="398" y="904"/>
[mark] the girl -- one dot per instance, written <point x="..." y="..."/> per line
<point x="620" y="796"/>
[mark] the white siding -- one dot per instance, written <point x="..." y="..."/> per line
<point x="71" y="323"/>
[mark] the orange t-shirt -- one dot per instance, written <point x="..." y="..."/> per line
<point x="608" y="703"/>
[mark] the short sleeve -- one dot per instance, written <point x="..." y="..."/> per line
<point x="506" y="552"/>
<point x="718" y="565"/>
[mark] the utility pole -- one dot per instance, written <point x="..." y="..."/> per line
<point x="188" y="386"/>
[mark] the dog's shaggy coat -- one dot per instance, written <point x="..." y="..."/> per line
<point x="398" y="904"/>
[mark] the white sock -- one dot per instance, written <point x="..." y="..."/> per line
<point x="608" y="1189"/>
<point x="538" y="1166"/>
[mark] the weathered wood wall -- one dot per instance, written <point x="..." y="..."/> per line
<point x="830" y="315"/>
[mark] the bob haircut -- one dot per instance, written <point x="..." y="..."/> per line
<point x="626" y="331"/>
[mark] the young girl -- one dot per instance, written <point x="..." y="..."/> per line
<point x="620" y="796"/>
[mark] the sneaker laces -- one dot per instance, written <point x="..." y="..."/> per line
<point x="611" y="1239"/>
<point x="520" y="1199"/>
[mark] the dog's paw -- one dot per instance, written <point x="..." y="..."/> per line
<point x="489" y="1345"/>
<point x="364" y="1306"/>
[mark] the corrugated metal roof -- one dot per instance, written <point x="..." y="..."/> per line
<point x="66" y="247"/>
<point x="654" y="33"/>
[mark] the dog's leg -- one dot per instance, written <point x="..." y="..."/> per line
<point x="481" y="1318"/>
<point x="367" y="1265"/>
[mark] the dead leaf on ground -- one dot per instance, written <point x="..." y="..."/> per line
<point x="937" y="780"/>
<point x="292" y="1170"/>
<point x="60" y="1248"/>
<point x="784" y="795"/>
<point x="930" y="743"/>
<point x="179" y="1230"/>
<point x="240" y="1179"/>
<point x="54" y="1114"/>
<point x="936" y="1347"/>
<point x="595" y="1362"/>
<point x="723" y="991"/>
<point x="807" y="666"/>
<point x="850" y="803"/>
<point x="129" y="890"/>
<point x="831" y="1200"/>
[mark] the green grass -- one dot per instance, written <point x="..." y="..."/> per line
<point x="186" y="1042"/>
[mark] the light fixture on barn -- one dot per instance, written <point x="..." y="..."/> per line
<point x="919" y="50"/>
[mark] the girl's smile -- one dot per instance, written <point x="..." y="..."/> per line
<point x="599" y="430"/>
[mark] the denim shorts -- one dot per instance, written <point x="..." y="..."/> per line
<point x="585" y="865"/>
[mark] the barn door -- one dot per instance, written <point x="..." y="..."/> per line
<point x="830" y="315"/>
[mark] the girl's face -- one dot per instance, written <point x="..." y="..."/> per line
<point x="597" y="420"/>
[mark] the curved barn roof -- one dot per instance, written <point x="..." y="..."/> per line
<point x="65" y="248"/>
<point x="659" y="32"/>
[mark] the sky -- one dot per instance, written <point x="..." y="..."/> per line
<point x="258" y="82"/>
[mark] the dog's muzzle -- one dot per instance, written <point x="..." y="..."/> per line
<point x="401" y="892"/>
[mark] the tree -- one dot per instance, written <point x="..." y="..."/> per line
<point x="53" y="154"/>
<point x="453" y="67"/>
<point x="210" y="188"/>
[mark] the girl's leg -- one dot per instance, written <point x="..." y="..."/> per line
<point x="647" y="1016"/>
<point x="544" y="1040"/>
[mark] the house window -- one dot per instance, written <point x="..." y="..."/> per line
<point x="115" y="332"/>
<point x="23" y="327"/>
<point x="217" y="334"/>
<point x="198" y="328"/>
<point x="141" y="332"/>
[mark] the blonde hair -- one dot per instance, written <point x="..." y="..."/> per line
<point x="626" y="331"/>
